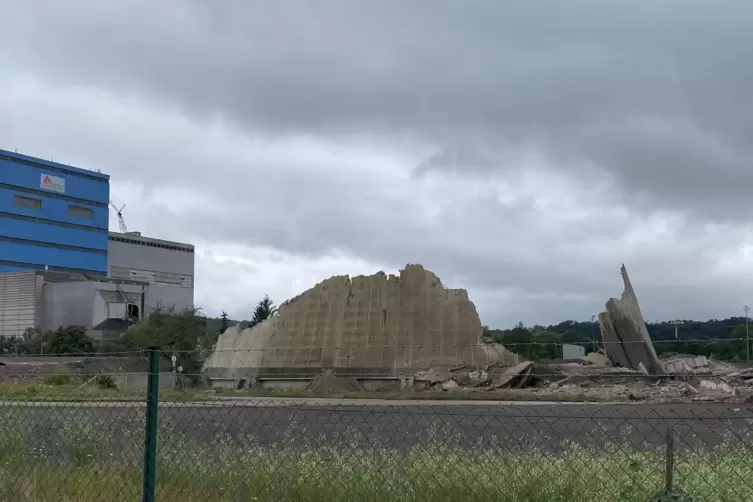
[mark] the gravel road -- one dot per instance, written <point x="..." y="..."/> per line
<point x="503" y="426"/>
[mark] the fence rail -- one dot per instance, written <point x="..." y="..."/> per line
<point x="270" y="449"/>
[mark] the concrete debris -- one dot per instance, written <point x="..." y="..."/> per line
<point x="745" y="375"/>
<point x="720" y="386"/>
<point x="690" y="380"/>
<point x="686" y="365"/>
<point x="433" y="376"/>
<point x="517" y="377"/>
<point x="559" y="383"/>
<point x="596" y="359"/>
<point x="450" y="385"/>
<point x="376" y="324"/>
<point x="623" y="329"/>
<point x="721" y="369"/>
<point x="478" y="376"/>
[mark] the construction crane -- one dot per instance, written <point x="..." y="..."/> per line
<point x="121" y="221"/>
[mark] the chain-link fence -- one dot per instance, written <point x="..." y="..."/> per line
<point x="80" y="447"/>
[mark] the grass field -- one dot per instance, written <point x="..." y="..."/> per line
<point x="188" y="474"/>
<point x="81" y="460"/>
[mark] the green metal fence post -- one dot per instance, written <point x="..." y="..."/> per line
<point x="150" y="441"/>
<point x="669" y="469"/>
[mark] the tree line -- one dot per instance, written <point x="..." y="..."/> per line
<point x="191" y="336"/>
<point x="184" y="333"/>
<point x="723" y="340"/>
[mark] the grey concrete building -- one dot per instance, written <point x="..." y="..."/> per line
<point x="142" y="273"/>
<point x="168" y="267"/>
<point x="20" y="293"/>
<point x="47" y="300"/>
<point x="106" y="306"/>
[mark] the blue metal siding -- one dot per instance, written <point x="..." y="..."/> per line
<point x="22" y="175"/>
<point x="52" y="209"/>
<point x="29" y="230"/>
<point x="25" y="267"/>
<point x="38" y="255"/>
<point x="25" y="159"/>
<point x="75" y="186"/>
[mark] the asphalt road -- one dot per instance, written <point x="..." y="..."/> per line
<point x="386" y="424"/>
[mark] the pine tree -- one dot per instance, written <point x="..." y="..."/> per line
<point x="224" y="322"/>
<point x="264" y="309"/>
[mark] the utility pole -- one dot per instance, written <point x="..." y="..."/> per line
<point x="593" y="333"/>
<point x="676" y="322"/>
<point x="746" y="309"/>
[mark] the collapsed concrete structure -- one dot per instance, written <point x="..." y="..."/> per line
<point x="623" y="330"/>
<point x="378" y="324"/>
<point x="685" y="379"/>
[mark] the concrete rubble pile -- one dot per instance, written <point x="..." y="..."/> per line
<point x="692" y="379"/>
<point x="685" y="379"/>
<point x="526" y="375"/>
<point x="490" y="377"/>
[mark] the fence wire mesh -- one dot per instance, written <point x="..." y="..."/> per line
<point x="83" y="445"/>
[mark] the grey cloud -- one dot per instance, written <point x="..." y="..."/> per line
<point x="482" y="243"/>
<point x="305" y="209"/>
<point x="582" y="81"/>
<point x="649" y="97"/>
<point x="542" y="73"/>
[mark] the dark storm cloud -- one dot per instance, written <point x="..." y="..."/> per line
<point x="635" y="105"/>
<point x="654" y="94"/>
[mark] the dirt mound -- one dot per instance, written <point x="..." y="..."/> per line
<point x="26" y="373"/>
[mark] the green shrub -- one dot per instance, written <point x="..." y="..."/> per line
<point x="106" y="382"/>
<point x="61" y="376"/>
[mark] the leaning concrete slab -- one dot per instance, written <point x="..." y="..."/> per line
<point x="516" y="376"/>
<point x="623" y="329"/>
<point x="367" y="324"/>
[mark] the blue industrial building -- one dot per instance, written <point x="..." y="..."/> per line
<point x="52" y="216"/>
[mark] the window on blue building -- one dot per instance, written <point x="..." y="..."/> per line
<point x="81" y="212"/>
<point x="20" y="200"/>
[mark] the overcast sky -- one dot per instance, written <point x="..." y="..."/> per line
<point x="521" y="150"/>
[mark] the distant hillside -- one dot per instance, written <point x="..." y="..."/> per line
<point x="689" y="330"/>
<point x="722" y="339"/>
